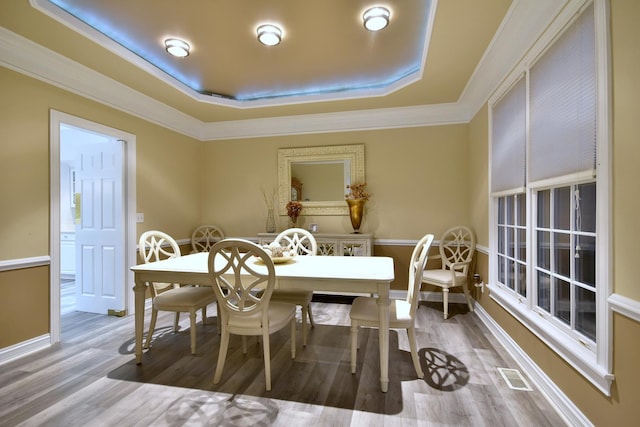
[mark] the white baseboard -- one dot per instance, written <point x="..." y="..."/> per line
<point x="565" y="407"/>
<point x="24" y="348"/>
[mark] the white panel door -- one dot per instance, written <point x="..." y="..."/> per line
<point x="100" y="270"/>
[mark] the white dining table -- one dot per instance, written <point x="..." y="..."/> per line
<point x="335" y="274"/>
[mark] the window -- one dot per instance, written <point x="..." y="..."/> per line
<point x="565" y="262"/>
<point x="547" y="168"/>
<point x="512" y="243"/>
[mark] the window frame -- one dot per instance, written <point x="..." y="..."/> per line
<point x="592" y="360"/>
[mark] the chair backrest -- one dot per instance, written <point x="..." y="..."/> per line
<point x="204" y="237"/>
<point x="416" y="267"/>
<point x="299" y="240"/>
<point x="457" y="247"/>
<point x="241" y="284"/>
<point x="154" y="246"/>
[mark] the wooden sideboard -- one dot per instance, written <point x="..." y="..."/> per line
<point x="338" y="244"/>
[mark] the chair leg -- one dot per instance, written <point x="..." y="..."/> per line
<point x="411" y="332"/>
<point x="218" y="318"/>
<point x="304" y="325"/>
<point x="313" y="324"/>
<point x="445" y="302"/>
<point x="222" y="355"/>
<point x="176" y="322"/>
<point x="152" y="326"/>
<point x="244" y="344"/>
<point x="204" y="315"/>
<point x="267" y="359"/>
<point x="192" y="315"/>
<point x="468" y="296"/>
<point x="354" y="345"/>
<point x="293" y="338"/>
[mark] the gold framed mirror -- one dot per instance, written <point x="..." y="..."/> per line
<point x="320" y="176"/>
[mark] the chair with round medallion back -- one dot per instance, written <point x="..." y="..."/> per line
<point x="402" y="313"/>
<point x="301" y="242"/>
<point x="457" y="247"/>
<point x="244" y="289"/>
<point x="204" y="237"/>
<point x="154" y="246"/>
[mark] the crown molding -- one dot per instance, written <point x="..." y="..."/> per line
<point x="523" y="23"/>
<point x="361" y="120"/>
<point x="24" y="56"/>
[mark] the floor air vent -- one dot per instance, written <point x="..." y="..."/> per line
<point x="514" y="379"/>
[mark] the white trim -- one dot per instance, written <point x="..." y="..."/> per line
<point x="503" y="193"/>
<point x="482" y="249"/>
<point x="521" y="27"/>
<point x="436" y="296"/>
<point x="13" y="352"/>
<point x="625" y="306"/>
<point x="382" y="118"/>
<point x="17" y="264"/>
<point x="394" y="242"/>
<point x="554" y="395"/>
<point x="604" y="205"/>
<point x="24" y="56"/>
<point x="130" y="230"/>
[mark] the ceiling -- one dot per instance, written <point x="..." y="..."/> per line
<point x="227" y="64"/>
<point x="436" y="57"/>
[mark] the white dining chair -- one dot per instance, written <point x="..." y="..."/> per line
<point x="154" y="246"/>
<point x="244" y="297"/>
<point x="301" y="242"/>
<point x="402" y="313"/>
<point x="457" y="247"/>
<point x="204" y="237"/>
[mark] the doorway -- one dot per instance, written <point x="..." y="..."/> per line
<point x="92" y="218"/>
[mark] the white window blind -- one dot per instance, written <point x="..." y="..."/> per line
<point x="563" y="105"/>
<point x="508" y="143"/>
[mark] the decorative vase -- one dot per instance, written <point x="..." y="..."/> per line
<point x="271" y="222"/>
<point x="356" y="211"/>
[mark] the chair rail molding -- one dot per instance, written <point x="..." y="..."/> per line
<point x="626" y="306"/>
<point x="16" y="264"/>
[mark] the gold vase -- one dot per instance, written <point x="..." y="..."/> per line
<point x="356" y="212"/>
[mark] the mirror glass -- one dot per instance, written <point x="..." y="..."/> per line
<point x="318" y="176"/>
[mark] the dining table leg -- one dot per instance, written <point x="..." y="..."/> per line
<point x="139" y="291"/>
<point x="383" y="330"/>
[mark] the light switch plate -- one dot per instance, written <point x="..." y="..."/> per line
<point x="139" y="217"/>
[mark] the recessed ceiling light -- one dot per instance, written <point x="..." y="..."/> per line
<point x="376" y="18"/>
<point x="177" y="47"/>
<point x="269" y="34"/>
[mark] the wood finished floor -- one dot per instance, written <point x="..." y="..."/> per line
<point x="91" y="378"/>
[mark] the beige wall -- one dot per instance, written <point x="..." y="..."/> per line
<point x="622" y="407"/>
<point x="417" y="177"/>
<point x="182" y="183"/>
<point x="25" y="296"/>
<point x="168" y="165"/>
<point x="625" y="16"/>
<point x="168" y="188"/>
